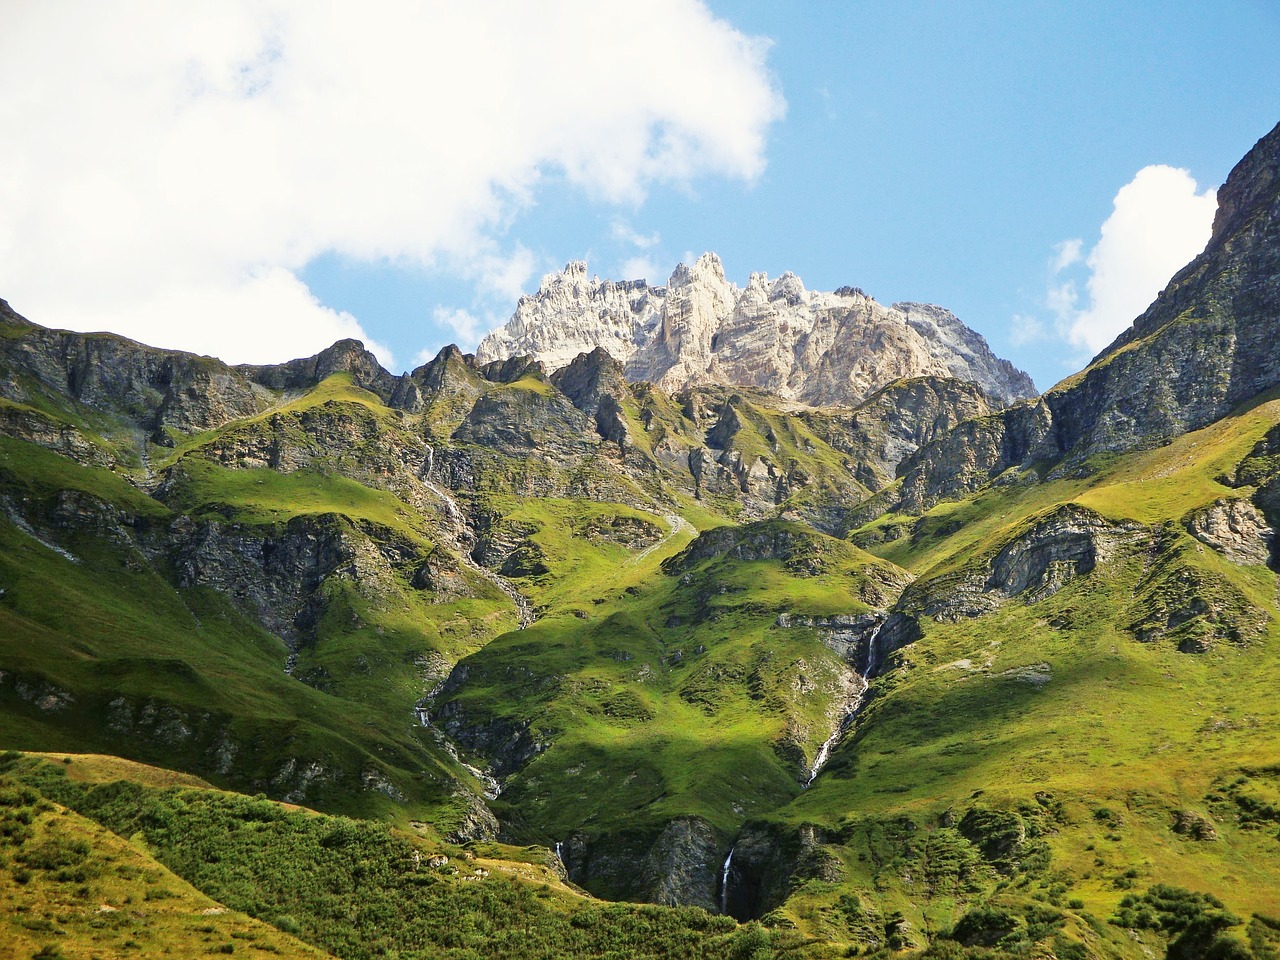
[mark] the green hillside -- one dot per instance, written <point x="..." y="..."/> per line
<point x="486" y="661"/>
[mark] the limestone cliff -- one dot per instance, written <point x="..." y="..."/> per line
<point x="773" y="335"/>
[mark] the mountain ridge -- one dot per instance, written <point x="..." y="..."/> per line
<point x="819" y="348"/>
<point x="920" y="673"/>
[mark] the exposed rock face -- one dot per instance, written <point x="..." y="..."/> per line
<point x="820" y="348"/>
<point x="1067" y="543"/>
<point x="39" y="428"/>
<point x="680" y="869"/>
<point x="597" y="385"/>
<point x="1205" y="346"/>
<point x="274" y="573"/>
<point x="676" y="864"/>
<point x="769" y="861"/>
<point x="1236" y="529"/>
<point x="897" y="420"/>
<point x="155" y="388"/>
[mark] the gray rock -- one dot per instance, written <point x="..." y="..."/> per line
<point x="1236" y="529"/>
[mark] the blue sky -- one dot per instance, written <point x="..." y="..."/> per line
<point x="944" y="152"/>
<point x="930" y="151"/>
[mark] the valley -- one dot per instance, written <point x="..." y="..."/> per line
<point x="706" y="650"/>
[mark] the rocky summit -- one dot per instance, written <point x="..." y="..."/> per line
<point x="772" y="335"/>
<point x="791" y="624"/>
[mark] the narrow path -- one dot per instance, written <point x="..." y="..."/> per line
<point x="678" y="525"/>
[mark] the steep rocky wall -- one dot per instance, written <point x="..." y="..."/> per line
<point x="1204" y="347"/>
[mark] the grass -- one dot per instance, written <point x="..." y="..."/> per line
<point x="1141" y="730"/>
<point x="357" y="889"/>
<point x="71" y="888"/>
<point x="656" y="685"/>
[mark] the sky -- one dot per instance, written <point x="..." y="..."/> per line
<point x="255" y="180"/>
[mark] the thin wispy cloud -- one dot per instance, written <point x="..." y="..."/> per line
<point x="170" y="169"/>
<point x="625" y="233"/>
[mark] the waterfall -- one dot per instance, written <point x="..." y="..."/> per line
<point x="461" y="535"/>
<point x="724" y="881"/>
<point x="560" y="852"/>
<point x="873" y="658"/>
<point x="853" y="708"/>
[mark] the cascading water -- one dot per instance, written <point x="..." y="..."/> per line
<point x="873" y="652"/>
<point x="461" y="535"/>
<point x="560" y="851"/>
<point x="724" y="881"/>
<point x="855" y="705"/>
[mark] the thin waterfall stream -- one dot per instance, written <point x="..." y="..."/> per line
<point x="724" y="880"/>
<point x="854" y="707"/>
<point x="462" y="537"/>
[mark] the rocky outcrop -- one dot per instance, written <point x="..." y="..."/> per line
<point x="145" y="386"/>
<point x="1068" y="542"/>
<point x="800" y="550"/>
<point x="1181" y="602"/>
<point x="769" y="861"/>
<point x="275" y="573"/>
<point x="676" y="863"/>
<point x="520" y="419"/>
<point x="1236" y="529"/>
<point x="1205" y="346"/>
<point x="895" y="421"/>
<point x="680" y="868"/>
<point x="597" y="385"/>
<point x="37" y="427"/>
<point x="345" y="356"/>
<point x="975" y="453"/>
<point x="819" y="348"/>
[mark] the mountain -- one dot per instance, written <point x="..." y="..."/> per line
<point x="776" y="336"/>
<point x="1204" y="347"/>
<point x="922" y="674"/>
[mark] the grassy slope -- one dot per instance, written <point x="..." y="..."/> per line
<point x="1123" y="736"/>
<point x="662" y="697"/>
<point x="71" y="888"/>
<point x="354" y="888"/>
<point x="135" y="635"/>
<point x="641" y="735"/>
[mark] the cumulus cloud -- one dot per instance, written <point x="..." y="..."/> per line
<point x="169" y="169"/>
<point x="1158" y="224"/>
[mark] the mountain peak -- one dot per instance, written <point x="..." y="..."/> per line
<point x="774" y="335"/>
<point x="1249" y="187"/>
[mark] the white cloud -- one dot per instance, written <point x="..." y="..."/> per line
<point x="222" y="318"/>
<point x="466" y="325"/>
<point x="642" y="268"/>
<point x="1158" y="224"/>
<point x="169" y="168"/>
<point x="1067" y="253"/>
